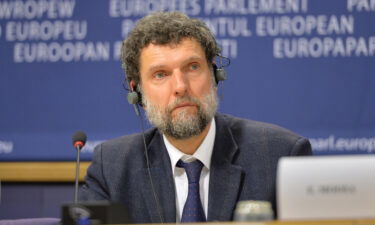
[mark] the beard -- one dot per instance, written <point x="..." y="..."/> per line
<point x="184" y="124"/>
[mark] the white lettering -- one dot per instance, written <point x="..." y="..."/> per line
<point x="90" y="146"/>
<point x="126" y="27"/>
<point x="36" y="9"/>
<point x="127" y="8"/>
<point x="46" y="30"/>
<point x="371" y="46"/>
<point x="243" y="7"/>
<point x="5" y="10"/>
<point x="228" y="26"/>
<point x="229" y="47"/>
<point x="117" y="50"/>
<point x="343" y="144"/>
<point x="323" y="47"/>
<point x="299" y="25"/>
<point x="65" y="52"/>
<point x="6" y="147"/>
<point x="360" y="5"/>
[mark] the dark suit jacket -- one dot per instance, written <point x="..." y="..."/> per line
<point x="243" y="167"/>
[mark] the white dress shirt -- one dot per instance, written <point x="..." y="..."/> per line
<point x="203" y="154"/>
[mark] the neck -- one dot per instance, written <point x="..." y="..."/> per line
<point x="190" y="145"/>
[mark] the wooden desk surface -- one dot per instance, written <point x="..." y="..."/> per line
<point x="41" y="171"/>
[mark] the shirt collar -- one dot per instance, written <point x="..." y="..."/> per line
<point x="203" y="153"/>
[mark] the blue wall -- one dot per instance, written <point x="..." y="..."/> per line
<point x="305" y="65"/>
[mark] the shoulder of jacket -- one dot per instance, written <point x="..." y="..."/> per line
<point x="128" y="143"/>
<point x="250" y="127"/>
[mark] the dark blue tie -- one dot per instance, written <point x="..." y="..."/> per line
<point x="193" y="209"/>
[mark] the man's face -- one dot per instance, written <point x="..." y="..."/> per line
<point x="178" y="88"/>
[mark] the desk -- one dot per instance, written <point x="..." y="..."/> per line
<point x="316" y="222"/>
<point x="41" y="171"/>
<point x="36" y="189"/>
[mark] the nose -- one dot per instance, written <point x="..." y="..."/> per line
<point x="180" y="83"/>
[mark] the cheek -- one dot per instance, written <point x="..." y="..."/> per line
<point x="203" y="86"/>
<point x="158" y="96"/>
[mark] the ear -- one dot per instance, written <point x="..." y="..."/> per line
<point x="132" y="85"/>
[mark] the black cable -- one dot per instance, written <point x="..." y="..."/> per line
<point x="148" y="165"/>
<point x="222" y="61"/>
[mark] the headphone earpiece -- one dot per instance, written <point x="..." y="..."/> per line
<point x="133" y="97"/>
<point x="219" y="73"/>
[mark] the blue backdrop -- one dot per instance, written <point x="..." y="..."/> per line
<point x="306" y="65"/>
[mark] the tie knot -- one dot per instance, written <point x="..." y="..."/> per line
<point x="193" y="170"/>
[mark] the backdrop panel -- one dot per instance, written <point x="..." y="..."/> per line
<point x="306" y="65"/>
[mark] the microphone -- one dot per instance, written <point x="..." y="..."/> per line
<point x="96" y="212"/>
<point x="79" y="140"/>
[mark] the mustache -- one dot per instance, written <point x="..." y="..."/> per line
<point x="182" y="99"/>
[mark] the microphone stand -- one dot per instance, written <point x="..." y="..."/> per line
<point x="77" y="175"/>
<point x="85" y="213"/>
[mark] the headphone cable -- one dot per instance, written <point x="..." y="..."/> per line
<point x="158" y="207"/>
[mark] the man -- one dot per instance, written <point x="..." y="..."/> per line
<point x="169" y="62"/>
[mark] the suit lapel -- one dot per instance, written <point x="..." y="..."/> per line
<point x="225" y="178"/>
<point x="161" y="173"/>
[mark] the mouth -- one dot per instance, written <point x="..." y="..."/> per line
<point x="184" y="105"/>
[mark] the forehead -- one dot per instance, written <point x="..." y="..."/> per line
<point x="170" y="54"/>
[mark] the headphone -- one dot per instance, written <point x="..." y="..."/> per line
<point x="134" y="97"/>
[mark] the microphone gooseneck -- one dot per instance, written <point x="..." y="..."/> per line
<point x="79" y="140"/>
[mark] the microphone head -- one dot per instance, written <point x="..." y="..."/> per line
<point x="79" y="139"/>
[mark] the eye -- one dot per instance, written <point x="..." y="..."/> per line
<point x="159" y="75"/>
<point x="194" y="66"/>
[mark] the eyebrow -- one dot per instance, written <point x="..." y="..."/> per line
<point x="161" y="66"/>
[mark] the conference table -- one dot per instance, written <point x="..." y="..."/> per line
<point x="20" y="172"/>
<point x="311" y="222"/>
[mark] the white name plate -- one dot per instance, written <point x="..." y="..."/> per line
<point x="326" y="187"/>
